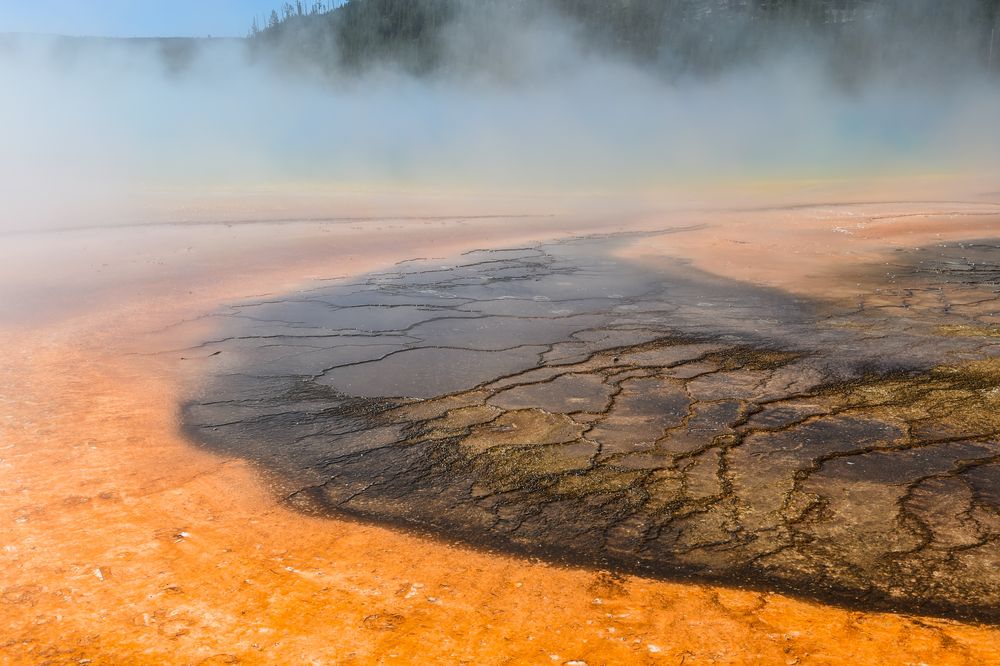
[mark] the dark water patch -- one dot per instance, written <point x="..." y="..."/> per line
<point x="555" y="401"/>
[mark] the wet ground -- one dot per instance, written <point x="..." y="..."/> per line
<point x="556" y="400"/>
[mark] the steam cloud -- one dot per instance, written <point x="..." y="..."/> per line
<point x="94" y="130"/>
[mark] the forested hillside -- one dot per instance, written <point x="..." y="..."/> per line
<point x="672" y="37"/>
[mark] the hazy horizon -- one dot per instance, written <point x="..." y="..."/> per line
<point x="522" y="106"/>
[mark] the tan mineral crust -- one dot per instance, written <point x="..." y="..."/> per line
<point x="122" y="543"/>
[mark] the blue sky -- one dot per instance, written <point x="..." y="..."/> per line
<point x="134" y="18"/>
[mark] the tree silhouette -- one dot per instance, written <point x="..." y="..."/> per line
<point x="683" y="36"/>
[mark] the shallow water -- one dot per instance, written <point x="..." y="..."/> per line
<point x="558" y="401"/>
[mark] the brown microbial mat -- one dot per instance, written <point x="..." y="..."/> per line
<point x="560" y="401"/>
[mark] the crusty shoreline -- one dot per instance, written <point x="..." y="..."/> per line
<point x="128" y="545"/>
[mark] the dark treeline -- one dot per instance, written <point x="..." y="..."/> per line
<point x="672" y="37"/>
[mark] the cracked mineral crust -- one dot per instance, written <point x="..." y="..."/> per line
<point x="557" y="401"/>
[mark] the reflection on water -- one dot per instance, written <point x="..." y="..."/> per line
<point x="556" y="401"/>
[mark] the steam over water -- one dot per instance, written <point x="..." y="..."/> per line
<point x="103" y="131"/>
